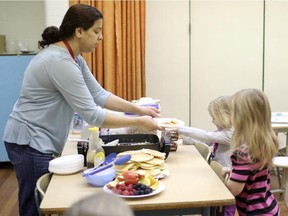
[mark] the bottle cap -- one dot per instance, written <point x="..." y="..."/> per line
<point x="94" y="129"/>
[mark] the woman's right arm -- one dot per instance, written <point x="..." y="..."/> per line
<point x="146" y="123"/>
<point x="106" y="99"/>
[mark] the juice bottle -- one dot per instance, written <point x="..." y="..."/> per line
<point x="95" y="154"/>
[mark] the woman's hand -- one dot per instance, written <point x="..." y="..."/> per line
<point x="148" y="124"/>
<point x="149" y="110"/>
<point x="118" y="104"/>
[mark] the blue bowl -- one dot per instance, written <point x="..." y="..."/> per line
<point x="102" y="178"/>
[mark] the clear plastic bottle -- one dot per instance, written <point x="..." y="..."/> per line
<point x="96" y="153"/>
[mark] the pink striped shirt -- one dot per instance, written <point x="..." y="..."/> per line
<point x="256" y="197"/>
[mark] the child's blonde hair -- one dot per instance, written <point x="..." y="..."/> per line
<point x="220" y="109"/>
<point x="100" y="204"/>
<point x="251" y="118"/>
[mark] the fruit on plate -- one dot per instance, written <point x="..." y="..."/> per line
<point x="136" y="189"/>
<point x="131" y="183"/>
<point x="155" y="185"/>
<point x="131" y="177"/>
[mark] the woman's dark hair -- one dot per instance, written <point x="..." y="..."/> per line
<point x="77" y="16"/>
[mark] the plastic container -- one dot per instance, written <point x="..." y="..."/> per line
<point x="77" y="124"/>
<point x="96" y="153"/>
<point x="102" y="178"/>
<point x="146" y="101"/>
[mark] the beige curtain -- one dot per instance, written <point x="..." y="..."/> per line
<point x="119" y="62"/>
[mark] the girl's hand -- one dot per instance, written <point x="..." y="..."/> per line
<point x="235" y="187"/>
<point x="226" y="171"/>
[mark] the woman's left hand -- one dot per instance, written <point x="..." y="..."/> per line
<point x="150" y="111"/>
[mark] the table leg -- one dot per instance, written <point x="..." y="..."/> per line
<point x="278" y="176"/>
<point x="206" y="212"/>
<point x="285" y="175"/>
<point x="286" y="143"/>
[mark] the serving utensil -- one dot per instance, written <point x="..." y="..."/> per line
<point x="109" y="161"/>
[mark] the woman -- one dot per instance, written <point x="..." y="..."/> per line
<point x="56" y="84"/>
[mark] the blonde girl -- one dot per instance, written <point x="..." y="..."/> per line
<point x="100" y="204"/>
<point x="255" y="145"/>
<point x="219" y="139"/>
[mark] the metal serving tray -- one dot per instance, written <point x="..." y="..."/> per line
<point x="129" y="142"/>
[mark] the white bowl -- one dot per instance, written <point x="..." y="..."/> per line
<point x="102" y="178"/>
<point x="67" y="160"/>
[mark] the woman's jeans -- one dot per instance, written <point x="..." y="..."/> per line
<point x="29" y="165"/>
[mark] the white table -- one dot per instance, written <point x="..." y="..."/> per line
<point x="281" y="128"/>
<point x="192" y="187"/>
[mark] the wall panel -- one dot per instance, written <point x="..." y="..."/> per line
<point x="276" y="54"/>
<point x="226" y="52"/>
<point x="167" y="56"/>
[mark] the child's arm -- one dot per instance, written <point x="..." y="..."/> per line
<point x="234" y="187"/>
<point x="223" y="136"/>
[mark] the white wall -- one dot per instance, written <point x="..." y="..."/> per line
<point x="54" y="11"/>
<point x="226" y="52"/>
<point x="167" y="56"/>
<point x="276" y="53"/>
<point x="22" y="20"/>
<point x="25" y="20"/>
